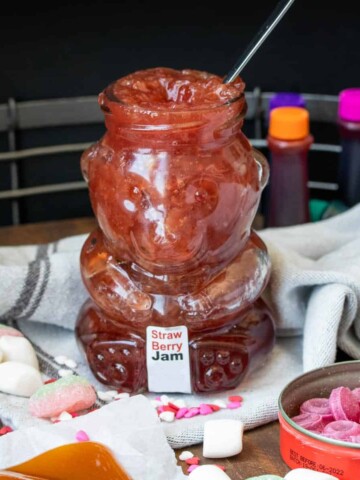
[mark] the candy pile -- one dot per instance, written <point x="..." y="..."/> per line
<point x="336" y="417"/>
<point x="170" y="410"/>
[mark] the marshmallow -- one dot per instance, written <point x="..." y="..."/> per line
<point x="222" y="438"/>
<point x="18" y="349"/>
<point x="306" y="474"/>
<point x="208" y="472"/>
<point x="19" y="379"/>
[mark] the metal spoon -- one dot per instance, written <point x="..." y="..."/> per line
<point x="280" y="10"/>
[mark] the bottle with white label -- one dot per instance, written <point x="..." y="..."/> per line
<point x="174" y="271"/>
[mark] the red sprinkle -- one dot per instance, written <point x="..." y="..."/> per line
<point x="168" y="408"/>
<point x="50" y="380"/>
<point x="173" y="406"/>
<point x="214" y="408"/>
<point x="193" y="461"/>
<point x="5" y="430"/>
<point x="235" y="398"/>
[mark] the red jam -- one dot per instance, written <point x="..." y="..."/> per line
<point x="175" y="186"/>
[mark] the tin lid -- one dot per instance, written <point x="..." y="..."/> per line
<point x="349" y="105"/>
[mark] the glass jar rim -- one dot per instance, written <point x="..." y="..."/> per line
<point x="110" y="97"/>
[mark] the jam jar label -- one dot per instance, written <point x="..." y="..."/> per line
<point x="167" y="359"/>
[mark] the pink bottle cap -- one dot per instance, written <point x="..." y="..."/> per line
<point x="349" y="105"/>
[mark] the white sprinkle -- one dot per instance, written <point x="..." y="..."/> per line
<point x="104" y="396"/>
<point x="220" y="403"/>
<point x="65" y="373"/>
<point x="60" y="359"/>
<point x="167" y="416"/>
<point x="179" y="403"/>
<point x="164" y="399"/>
<point x="64" y="417"/>
<point x="70" y="363"/>
<point x="156" y="403"/>
<point x="112" y="393"/>
<point x="122" y="395"/>
<point x="185" y="455"/>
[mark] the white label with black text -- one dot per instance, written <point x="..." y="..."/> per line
<point x="167" y="359"/>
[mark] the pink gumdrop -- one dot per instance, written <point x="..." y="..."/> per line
<point x="342" y="429"/>
<point x="344" y="405"/>
<point x="233" y="405"/>
<point x="319" y="406"/>
<point x="356" y="393"/>
<point x="309" y="421"/>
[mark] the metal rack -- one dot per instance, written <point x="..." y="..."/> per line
<point x="17" y="117"/>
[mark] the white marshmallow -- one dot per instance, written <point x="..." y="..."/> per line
<point x="307" y="474"/>
<point x="222" y="438"/>
<point x="18" y="349"/>
<point x="19" y="379"/>
<point x="208" y="472"/>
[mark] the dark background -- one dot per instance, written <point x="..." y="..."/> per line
<point x="76" y="48"/>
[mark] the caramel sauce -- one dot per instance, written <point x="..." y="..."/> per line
<point x="76" y="461"/>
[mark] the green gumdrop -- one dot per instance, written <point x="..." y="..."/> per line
<point x="266" y="477"/>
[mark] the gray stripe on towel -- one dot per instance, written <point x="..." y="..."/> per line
<point x="29" y="287"/>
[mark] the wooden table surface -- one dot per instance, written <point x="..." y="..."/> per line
<point x="260" y="454"/>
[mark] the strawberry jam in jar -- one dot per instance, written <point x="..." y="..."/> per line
<point x="174" y="271"/>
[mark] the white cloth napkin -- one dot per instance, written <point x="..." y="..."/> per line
<point x="314" y="291"/>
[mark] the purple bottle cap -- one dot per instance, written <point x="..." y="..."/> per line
<point x="349" y="105"/>
<point x="286" y="99"/>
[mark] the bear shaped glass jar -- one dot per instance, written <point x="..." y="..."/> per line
<point x="174" y="271"/>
